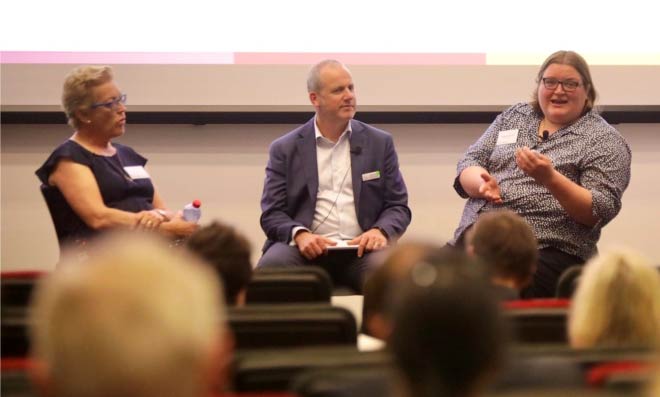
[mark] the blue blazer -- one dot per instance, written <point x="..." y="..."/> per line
<point x="291" y="185"/>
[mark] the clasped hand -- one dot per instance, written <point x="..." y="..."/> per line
<point x="149" y="219"/>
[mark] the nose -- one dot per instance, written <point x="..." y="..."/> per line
<point x="121" y="107"/>
<point x="560" y="87"/>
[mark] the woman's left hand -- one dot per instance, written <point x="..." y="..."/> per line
<point x="535" y="164"/>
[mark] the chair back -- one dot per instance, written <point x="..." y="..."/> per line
<point x="267" y="326"/>
<point x="538" y="321"/>
<point x="289" y="284"/>
<point x="17" y="288"/>
<point x="568" y="282"/>
<point x="276" y="369"/>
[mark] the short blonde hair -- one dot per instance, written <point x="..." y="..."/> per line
<point x="617" y="303"/>
<point x="76" y="90"/>
<point x="135" y="319"/>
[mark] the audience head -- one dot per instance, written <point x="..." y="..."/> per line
<point x="507" y="245"/>
<point x="449" y="335"/>
<point x="77" y="92"/>
<point x="228" y="252"/>
<point x="386" y="278"/>
<point x="133" y="319"/>
<point x="617" y="303"/>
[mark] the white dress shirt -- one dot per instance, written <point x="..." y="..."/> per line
<point x="335" y="216"/>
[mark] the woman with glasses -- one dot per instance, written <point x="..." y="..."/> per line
<point x="91" y="183"/>
<point x="556" y="162"/>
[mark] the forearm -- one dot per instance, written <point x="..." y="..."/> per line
<point x="575" y="199"/>
<point x="470" y="179"/>
<point x="107" y="218"/>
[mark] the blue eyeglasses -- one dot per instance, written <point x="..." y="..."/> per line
<point x="113" y="104"/>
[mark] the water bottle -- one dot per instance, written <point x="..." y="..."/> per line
<point x="192" y="211"/>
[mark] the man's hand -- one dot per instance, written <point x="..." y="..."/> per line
<point x="311" y="245"/>
<point x="371" y="240"/>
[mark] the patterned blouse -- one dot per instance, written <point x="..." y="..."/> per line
<point x="590" y="152"/>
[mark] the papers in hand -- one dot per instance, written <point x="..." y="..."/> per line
<point x="342" y="245"/>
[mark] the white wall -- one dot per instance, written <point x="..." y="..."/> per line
<point x="282" y="87"/>
<point x="223" y="165"/>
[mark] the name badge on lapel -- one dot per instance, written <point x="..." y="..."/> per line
<point x="507" y="137"/>
<point x="137" y="172"/>
<point x="370" y="176"/>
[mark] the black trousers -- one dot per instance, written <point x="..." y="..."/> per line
<point x="552" y="263"/>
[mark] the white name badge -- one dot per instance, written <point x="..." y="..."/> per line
<point x="507" y="137"/>
<point x="137" y="172"/>
<point x="370" y="175"/>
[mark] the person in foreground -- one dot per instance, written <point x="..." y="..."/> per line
<point x="380" y="284"/>
<point x="93" y="184"/>
<point x="556" y="163"/>
<point x="134" y="319"/>
<point x="617" y="303"/>
<point x="332" y="179"/>
<point x="505" y="243"/>
<point x="449" y="336"/>
<point x="227" y="251"/>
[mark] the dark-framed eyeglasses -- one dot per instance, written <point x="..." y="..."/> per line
<point x="113" y="104"/>
<point x="551" y="83"/>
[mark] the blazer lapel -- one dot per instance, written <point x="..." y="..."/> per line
<point x="307" y="149"/>
<point x="358" y="150"/>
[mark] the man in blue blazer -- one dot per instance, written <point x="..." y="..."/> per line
<point x="332" y="181"/>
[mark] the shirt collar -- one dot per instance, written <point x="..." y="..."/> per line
<point x="318" y="135"/>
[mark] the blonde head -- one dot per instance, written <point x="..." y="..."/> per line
<point x="76" y="92"/>
<point x="617" y="303"/>
<point x="135" y="319"/>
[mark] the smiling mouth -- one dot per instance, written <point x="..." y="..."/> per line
<point x="558" y="101"/>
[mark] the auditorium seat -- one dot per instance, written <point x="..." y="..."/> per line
<point x="15" y="379"/>
<point x="373" y="380"/>
<point x="538" y="320"/>
<point x="286" y="325"/>
<point x="275" y="369"/>
<point x="555" y="370"/>
<point x="289" y="284"/>
<point x="16" y="292"/>
<point x="568" y="282"/>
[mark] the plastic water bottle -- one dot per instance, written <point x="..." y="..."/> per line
<point x="192" y="211"/>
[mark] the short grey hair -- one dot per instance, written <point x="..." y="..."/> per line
<point x="134" y="318"/>
<point x="314" y="76"/>
<point x="76" y="90"/>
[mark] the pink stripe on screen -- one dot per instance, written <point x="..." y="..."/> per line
<point x="117" y="57"/>
<point x="260" y="58"/>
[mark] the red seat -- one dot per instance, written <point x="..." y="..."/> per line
<point x="537" y="303"/>
<point x="599" y="375"/>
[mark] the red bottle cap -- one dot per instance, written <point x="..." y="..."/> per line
<point x="197" y="203"/>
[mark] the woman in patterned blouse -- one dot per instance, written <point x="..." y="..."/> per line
<point x="556" y="162"/>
